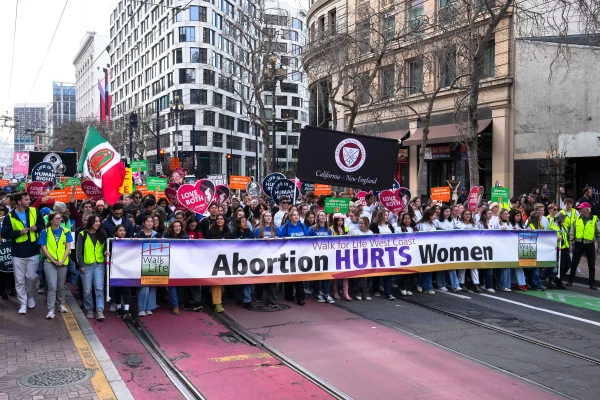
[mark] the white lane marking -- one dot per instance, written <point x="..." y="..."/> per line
<point x="455" y="295"/>
<point x="587" y="321"/>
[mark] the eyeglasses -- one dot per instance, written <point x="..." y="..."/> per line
<point x="284" y="202"/>
<point x="137" y="197"/>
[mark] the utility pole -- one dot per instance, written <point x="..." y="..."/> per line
<point x="176" y="108"/>
<point x="158" y="138"/>
<point x="257" y="164"/>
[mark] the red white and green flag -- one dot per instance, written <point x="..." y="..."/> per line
<point x="102" y="164"/>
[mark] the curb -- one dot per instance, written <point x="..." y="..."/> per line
<point x="113" y="377"/>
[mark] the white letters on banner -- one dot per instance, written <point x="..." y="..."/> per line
<point x="211" y="262"/>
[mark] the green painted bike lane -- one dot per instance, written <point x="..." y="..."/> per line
<point x="567" y="297"/>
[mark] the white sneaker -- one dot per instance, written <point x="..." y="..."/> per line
<point x="330" y="300"/>
<point x="62" y="309"/>
<point x="490" y="290"/>
<point x="419" y="289"/>
<point x="403" y="292"/>
<point x="30" y="302"/>
<point x="431" y="292"/>
<point x="381" y="288"/>
<point x="368" y="298"/>
<point x="394" y="285"/>
<point x="141" y="314"/>
<point x="148" y="312"/>
<point x="506" y="289"/>
<point x="443" y="289"/>
<point x="113" y="307"/>
<point x="390" y="297"/>
<point x="50" y="314"/>
<point x="320" y="299"/>
<point x="408" y="293"/>
<point x="307" y="291"/>
<point x="358" y="298"/>
<point x="377" y="294"/>
<point x="90" y="314"/>
<point x="23" y="309"/>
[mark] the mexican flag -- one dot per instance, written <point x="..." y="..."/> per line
<point x="102" y="164"/>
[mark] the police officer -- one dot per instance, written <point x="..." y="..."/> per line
<point x="585" y="232"/>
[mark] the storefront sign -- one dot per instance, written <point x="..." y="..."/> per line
<point x="232" y="262"/>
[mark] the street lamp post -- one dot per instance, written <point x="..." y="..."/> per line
<point x="273" y="75"/>
<point x="176" y="108"/>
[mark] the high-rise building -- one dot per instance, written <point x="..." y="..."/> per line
<point x="63" y="106"/>
<point x="28" y="119"/>
<point x="158" y="54"/>
<point x="90" y="62"/>
<point x="286" y="24"/>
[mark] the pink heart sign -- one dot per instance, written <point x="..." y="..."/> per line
<point x="361" y="196"/>
<point x="35" y="190"/>
<point x="222" y="195"/>
<point x="191" y="197"/>
<point x="172" y="197"/>
<point x="474" y="198"/>
<point x="92" y="191"/>
<point x="395" y="200"/>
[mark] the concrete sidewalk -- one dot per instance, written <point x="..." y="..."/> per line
<point x="583" y="276"/>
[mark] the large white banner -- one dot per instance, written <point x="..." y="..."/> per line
<point x="222" y="262"/>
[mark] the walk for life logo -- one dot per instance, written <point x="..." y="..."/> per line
<point x="350" y="155"/>
<point x="528" y="249"/>
<point x="155" y="263"/>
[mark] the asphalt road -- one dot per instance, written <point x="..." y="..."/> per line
<point x="548" y="321"/>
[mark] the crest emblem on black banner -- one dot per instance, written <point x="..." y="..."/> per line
<point x="350" y="155"/>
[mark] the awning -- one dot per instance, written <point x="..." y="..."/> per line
<point x="441" y="133"/>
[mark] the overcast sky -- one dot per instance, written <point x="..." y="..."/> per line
<point x="36" y="22"/>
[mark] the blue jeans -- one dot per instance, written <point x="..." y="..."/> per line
<point x="321" y="286"/>
<point x="505" y="278"/>
<point x="146" y="297"/>
<point x="387" y="285"/>
<point x="425" y="281"/>
<point x="41" y="273"/>
<point x="487" y="278"/>
<point x="518" y="276"/>
<point x="74" y="273"/>
<point x="173" y="296"/>
<point x="441" y="279"/>
<point x="243" y="293"/>
<point x="535" y="278"/>
<point x="93" y="278"/>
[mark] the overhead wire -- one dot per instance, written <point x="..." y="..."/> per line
<point x="12" y="59"/>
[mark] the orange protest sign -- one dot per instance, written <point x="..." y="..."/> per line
<point x="238" y="182"/>
<point x="441" y="194"/>
<point x="321" y="189"/>
<point x="175" y="163"/>
<point x="4" y="182"/>
<point x="145" y="191"/>
<point x="60" y="195"/>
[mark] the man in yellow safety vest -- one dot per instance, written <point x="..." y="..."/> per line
<point x="585" y="233"/>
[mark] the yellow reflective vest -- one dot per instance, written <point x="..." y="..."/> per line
<point x="57" y="249"/>
<point x="569" y="220"/>
<point x="18" y="225"/>
<point x="561" y="232"/>
<point x="92" y="254"/>
<point x="585" y="231"/>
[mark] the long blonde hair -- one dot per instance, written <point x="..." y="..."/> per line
<point x="262" y="225"/>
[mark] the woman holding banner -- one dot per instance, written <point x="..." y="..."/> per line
<point x="175" y="231"/>
<point x="445" y="223"/>
<point x="146" y="295"/>
<point x="218" y="230"/>
<point x="321" y="228"/>
<point x="505" y="225"/>
<point x="486" y="221"/>
<point x="293" y="229"/>
<point x="515" y="218"/>
<point x="407" y="225"/>
<point x="381" y="226"/>
<point x="121" y="294"/>
<point x="426" y="224"/>
<point x="243" y="293"/>
<point x="339" y="229"/>
<point x="362" y="284"/>
<point x="266" y="230"/>
<point x="90" y="257"/>
<point x="535" y="224"/>
<point x="467" y="223"/>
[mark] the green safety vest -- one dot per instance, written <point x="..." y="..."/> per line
<point x="17" y="225"/>
<point x="585" y="231"/>
<point x="569" y="219"/>
<point x="59" y="249"/>
<point x="92" y="254"/>
<point x="560" y="233"/>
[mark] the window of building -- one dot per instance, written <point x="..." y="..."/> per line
<point x="227" y="122"/>
<point x="230" y="104"/>
<point x="296" y="23"/>
<point x="281" y="100"/>
<point x="363" y="35"/>
<point x="198" y="96"/>
<point x="287" y="87"/>
<point x="208" y="118"/>
<point x="177" y="56"/>
<point x="296" y="102"/>
<point x="217" y="100"/>
<point x="415" y="77"/>
<point x="198" y="55"/>
<point x="198" y="13"/>
<point x="488" y="68"/>
<point x="332" y="22"/>
<point x="296" y="49"/>
<point x="199" y="138"/>
<point x="389" y="27"/>
<point x="269" y="100"/>
<point x="281" y="153"/>
<point x="208" y="36"/>
<point x="187" y="34"/>
<point x="297" y="76"/>
<point x="362" y="88"/>
<point x="446" y="68"/>
<point x="187" y="75"/>
<point x="217" y="139"/>
<point x="386" y="83"/>
<point x="217" y="20"/>
<point x="416" y="11"/>
<point x="187" y="117"/>
<point x="209" y="77"/>
<point x="289" y="114"/>
<point x="244" y="127"/>
<point x="165" y="140"/>
<point x="321" y="27"/>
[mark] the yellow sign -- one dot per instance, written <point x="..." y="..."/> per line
<point x="127" y="187"/>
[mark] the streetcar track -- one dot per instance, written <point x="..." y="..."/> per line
<point x="458" y="353"/>
<point x="180" y="381"/>
<point x="256" y="341"/>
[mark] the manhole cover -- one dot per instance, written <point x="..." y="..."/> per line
<point x="275" y="308"/>
<point x="56" y="377"/>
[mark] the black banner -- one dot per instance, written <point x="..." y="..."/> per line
<point x="339" y="158"/>
<point x="65" y="164"/>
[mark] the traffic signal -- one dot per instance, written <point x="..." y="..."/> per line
<point x="161" y="152"/>
<point x="133" y="120"/>
<point x="229" y="156"/>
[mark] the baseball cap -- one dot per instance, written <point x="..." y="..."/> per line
<point x="585" y="204"/>
<point x="45" y="211"/>
<point x="358" y="203"/>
